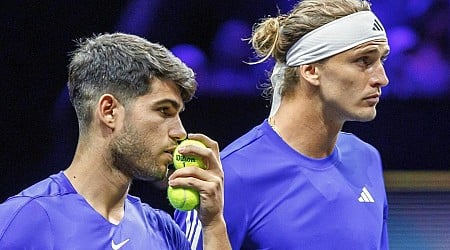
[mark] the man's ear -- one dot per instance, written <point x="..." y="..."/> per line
<point x="310" y="72"/>
<point x="107" y="110"/>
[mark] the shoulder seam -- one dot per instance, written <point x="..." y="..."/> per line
<point x="242" y="146"/>
<point x="16" y="212"/>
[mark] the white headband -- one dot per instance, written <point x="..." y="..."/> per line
<point x="335" y="37"/>
<point x="330" y="39"/>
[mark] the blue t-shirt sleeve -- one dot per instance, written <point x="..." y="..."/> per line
<point x="384" y="243"/>
<point x="191" y="226"/>
<point x="238" y="197"/>
<point x="174" y="235"/>
<point x="24" y="223"/>
<point x="235" y="214"/>
<point x="384" y="236"/>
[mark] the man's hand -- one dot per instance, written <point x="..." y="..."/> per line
<point x="209" y="183"/>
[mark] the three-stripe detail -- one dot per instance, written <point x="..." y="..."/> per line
<point x="193" y="228"/>
<point x="365" y="196"/>
<point x="377" y="26"/>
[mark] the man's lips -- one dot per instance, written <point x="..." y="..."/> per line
<point x="171" y="148"/>
<point x="372" y="99"/>
<point x="170" y="151"/>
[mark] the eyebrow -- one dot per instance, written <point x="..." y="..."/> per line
<point x="383" y="50"/>
<point x="171" y="102"/>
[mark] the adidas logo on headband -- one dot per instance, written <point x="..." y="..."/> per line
<point x="377" y="26"/>
<point x="323" y="42"/>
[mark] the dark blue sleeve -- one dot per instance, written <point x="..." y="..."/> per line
<point x="24" y="224"/>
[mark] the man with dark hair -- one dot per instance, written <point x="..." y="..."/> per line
<point x="127" y="94"/>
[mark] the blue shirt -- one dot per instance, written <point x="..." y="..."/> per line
<point x="52" y="215"/>
<point x="277" y="198"/>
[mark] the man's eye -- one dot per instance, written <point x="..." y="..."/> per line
<point x="164" y="111"/>
<point x="363" y="60"/>
<point x="167" y="111"/>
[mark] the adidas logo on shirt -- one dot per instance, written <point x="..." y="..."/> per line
<point x="365" y="196"/>
<point x="377" y="26"/>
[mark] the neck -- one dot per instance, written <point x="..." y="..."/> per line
<point x="101" y="185"/>
<point x="305" y="130"/>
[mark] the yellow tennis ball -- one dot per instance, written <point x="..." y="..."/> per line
<point x="181" y="161"/>
<point x="184" y="199"/>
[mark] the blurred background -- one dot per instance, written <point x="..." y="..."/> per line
<point x="411" y="131"/>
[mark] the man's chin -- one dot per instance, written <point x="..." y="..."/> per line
<point x="365" y="116"/>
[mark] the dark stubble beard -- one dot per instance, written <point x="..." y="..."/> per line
<point x="131" y="156"/>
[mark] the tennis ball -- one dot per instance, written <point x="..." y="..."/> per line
<point x="181" y="161"/>
<point x="184" y="199"/>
